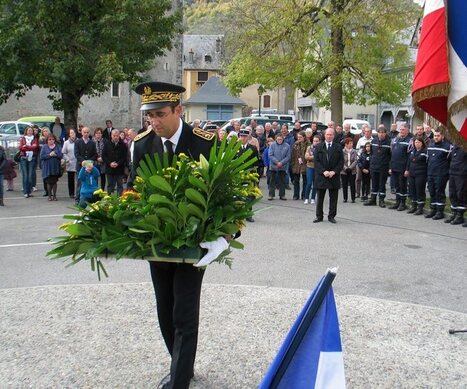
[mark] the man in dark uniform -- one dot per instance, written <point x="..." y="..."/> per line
<point x="399" y="156"/>
<point x="244" y="137"/>
<point x="439" y="158"/>
<point x="457" y="185"/>
<point x="379" y="167"/>
<point x="177" y="286"/>
<point x="329" y="161"/>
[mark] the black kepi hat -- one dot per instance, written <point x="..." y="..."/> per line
<point x="158" y="94"/>
<point x="244" y="132"/>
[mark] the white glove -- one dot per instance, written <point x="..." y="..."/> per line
<point x="215" y="248"/>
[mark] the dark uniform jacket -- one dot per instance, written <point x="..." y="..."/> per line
<point x="192" y="142"/>
<point x="458" y="162"/>
<point x="416" y="163"/>
<point x="380" y="154"/>
<point x="332" y="160"/>
<point x="439" y="156"/>
<point x="252" y="155"/>
<point x="400" y="153"/>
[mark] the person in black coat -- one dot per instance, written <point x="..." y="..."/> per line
<point x="329" y="161"/>
<point x="114" y="156"/>
<point x="243" y="137"/>
<point x="177" y="286"/>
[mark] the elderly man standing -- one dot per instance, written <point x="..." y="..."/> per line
<point x="329" y="161"/>
<point x="115" y="158"/>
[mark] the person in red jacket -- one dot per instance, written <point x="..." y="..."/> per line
<point x="29" y="148"/>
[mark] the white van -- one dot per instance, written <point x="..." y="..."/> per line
<point x="355" y="125"/>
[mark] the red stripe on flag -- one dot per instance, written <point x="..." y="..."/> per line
<point x="432" y="59"/>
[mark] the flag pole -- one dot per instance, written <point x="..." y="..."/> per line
<point x="321" y="292"/>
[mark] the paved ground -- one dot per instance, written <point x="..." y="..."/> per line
<point x="401" y="285"/>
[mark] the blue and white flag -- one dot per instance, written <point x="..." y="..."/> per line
<point x="311" y="355"/>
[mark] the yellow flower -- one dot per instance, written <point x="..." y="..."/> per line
<point x="99" y="192"/>
<point x="139" y="180"/>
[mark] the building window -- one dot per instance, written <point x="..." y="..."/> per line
<point x="115" y="89"/>
<point x="202" y="78"/>
<point x="207" y="58"/>
<point x="266" y="101"/>
<point x="219" y="112"/>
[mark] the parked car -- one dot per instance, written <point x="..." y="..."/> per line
<point x="40" y="121"/>
<point x="306" y="124"/>
<point x="259" y="120"/>
<point x="355" y="125"/>
<point x="10" y="134"/>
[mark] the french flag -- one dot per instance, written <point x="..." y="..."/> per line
<point x="440" y="79"/>
<point x="311" y="355"/>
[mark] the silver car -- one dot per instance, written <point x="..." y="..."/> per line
<point x="10" y="134"/>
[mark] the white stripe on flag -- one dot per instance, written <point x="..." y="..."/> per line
<point x="432" y="5"/>
<point x="330" y="372"/>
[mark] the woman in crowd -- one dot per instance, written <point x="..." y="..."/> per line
<point x="269" y="142"/>
<point x="100" y="142"/>
<point x="298" y="166"/>
<point x="51" y="156"/>
<point x="29" y="148"/>
<point x="43" y="141"/>
<point x="279" y="157"/>
<point x="68" y="151"/>
<point x="349" y="170"/>
<point x="3" y="163"/>
<point x="417" y="174"/>
<point x="310" y="170"/>
<point x="364" y="165"/>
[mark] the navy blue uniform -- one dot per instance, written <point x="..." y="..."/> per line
<point x="458" y="183"/>
<point x="399" y="156"/>
<point x="417" y="167"/>
<point x="438" y="173"/>
<point x="379" y="166"/>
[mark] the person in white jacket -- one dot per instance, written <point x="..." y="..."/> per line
<point x="68" y="151"/>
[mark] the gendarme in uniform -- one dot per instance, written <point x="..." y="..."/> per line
<point x="177" y="286"/>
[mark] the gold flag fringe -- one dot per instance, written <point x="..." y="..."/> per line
<point x="429" y="92"/>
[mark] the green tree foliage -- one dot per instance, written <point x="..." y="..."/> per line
<point x="333" y="50"/>
<point x="206" y="17"/>
<point x="78" y="47"/>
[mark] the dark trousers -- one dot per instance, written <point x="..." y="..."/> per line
<point x="458" y="192"/>
<point x="400" y="183"/>
<point x="348" y="180"/>
<point x="378" y="183"/>
<point x="71" y="183"/>
<point x="277" y="178"/>
<point x="437" y="189"/>
<point x="333" y="195"/>
<point x="115" y="180"/>
<point x="417" y="186"/>
<point x="296" y="185"/>
<point x="366" y="188"/>
<point x="178" y="288"/>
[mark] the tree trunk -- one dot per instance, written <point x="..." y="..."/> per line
<point x="71" y="102"/>
<point x="337" y="45"/>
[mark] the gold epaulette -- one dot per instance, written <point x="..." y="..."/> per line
<point x="206" y="135"/>
<point x="142" y="135"/>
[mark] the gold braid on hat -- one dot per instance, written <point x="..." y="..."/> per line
<point x="153" y="97"/>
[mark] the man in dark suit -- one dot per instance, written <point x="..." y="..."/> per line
<point x="107" y="133"/>
<point x="177" y="285"/>
<point x="244" y="138"/>
<point x="329" y="161"/>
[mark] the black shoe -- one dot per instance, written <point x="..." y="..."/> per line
<point x="353" y="201"/>
<point x="438" y="216"/>
<point x="283" y="198"/>
<point x="250" y="219"/>
<point x="450" y="218"/>
<point x="45" y="194"/>
<point x="332" y="220"/>
<point x="295" y="198"/>
<point x="345" y="201"/>
<point x="382" y="204"/>
<point x="430" y="214"/>
<point x="288" y="187"/>
<point x="165" y="382"/>
<point x="317" y="220"/>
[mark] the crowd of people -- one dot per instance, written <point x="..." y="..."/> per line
<point x="89" y="161"/>
<point x="410" y="163"/>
